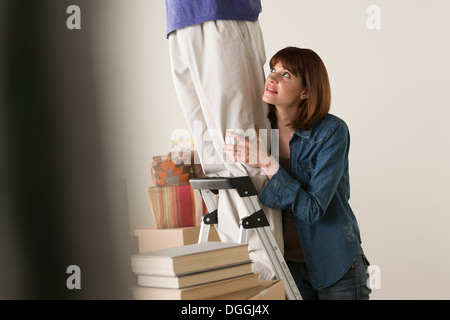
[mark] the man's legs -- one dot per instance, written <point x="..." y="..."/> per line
<point x="219" y="78"/>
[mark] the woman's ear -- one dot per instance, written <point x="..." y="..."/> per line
<point x="304" y="95"/>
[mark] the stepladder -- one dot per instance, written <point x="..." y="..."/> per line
<point x="255" y="219"/>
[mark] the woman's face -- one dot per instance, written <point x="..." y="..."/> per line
<point x="283" y="89"/>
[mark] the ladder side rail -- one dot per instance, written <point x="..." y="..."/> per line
<point x="281" y="268"/>
<point x="211" y="202"/>
<point x="259" y="222"/>
<point x="256" y="219"/>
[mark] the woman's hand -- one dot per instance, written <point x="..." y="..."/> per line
<point x="251" y="151"/>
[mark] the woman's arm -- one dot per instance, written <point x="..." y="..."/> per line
<point x="310" y="202"/>
<point x="253" y="152"/>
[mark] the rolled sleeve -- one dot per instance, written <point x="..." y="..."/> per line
<point x="278" y="191"/>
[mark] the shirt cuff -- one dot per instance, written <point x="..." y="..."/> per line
<point x="274" y="188"/>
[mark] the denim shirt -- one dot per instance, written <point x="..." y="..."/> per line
<point x="317" y="190"/>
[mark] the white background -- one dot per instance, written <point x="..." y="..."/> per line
<point x="390" y="86"/>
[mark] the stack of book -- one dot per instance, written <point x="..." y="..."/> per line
<point x="198" y="271"/>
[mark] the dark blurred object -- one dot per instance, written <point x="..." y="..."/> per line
<point x="54" y="205"/>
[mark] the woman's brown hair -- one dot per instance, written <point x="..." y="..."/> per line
<point x="309" y="67"/>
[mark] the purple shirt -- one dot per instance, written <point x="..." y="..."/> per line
<point x="183" y="13"/>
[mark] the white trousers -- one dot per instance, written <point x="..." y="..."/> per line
<point x="219" y="78"/>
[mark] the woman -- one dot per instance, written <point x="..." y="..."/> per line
<point x="310" y="180"/>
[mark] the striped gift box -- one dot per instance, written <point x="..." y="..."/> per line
<point x="176" y="207"/>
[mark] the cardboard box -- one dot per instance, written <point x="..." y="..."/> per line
<point x="267" y="290"/>
<point x="151" y="239"/>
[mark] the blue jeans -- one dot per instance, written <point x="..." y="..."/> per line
<point x="351" y="286"/>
